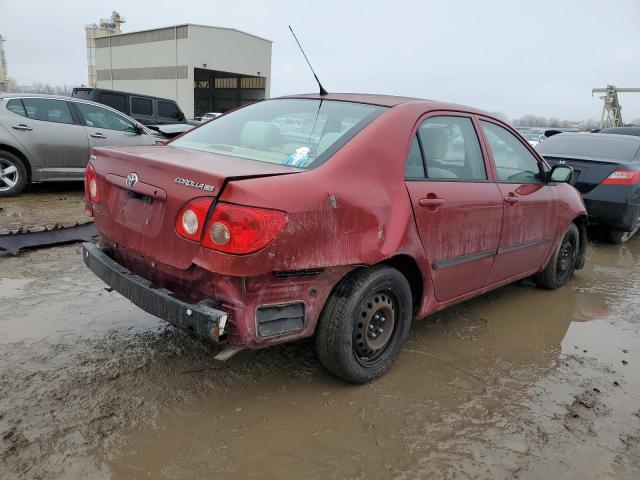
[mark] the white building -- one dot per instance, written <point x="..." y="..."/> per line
<point x="205" y="69"/>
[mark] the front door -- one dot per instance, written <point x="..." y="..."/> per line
<point x="108" y="128"/>
<point x="530" y="205"/>
<point x="458" y="211"/>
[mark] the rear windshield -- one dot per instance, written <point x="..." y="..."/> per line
<point x="590" y="146"/>
<point x="297" y="132"/>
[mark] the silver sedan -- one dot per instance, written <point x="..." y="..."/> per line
<point x="47" y="138"/>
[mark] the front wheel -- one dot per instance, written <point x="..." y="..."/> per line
<point x="364" y="324"/>
<point x="618" y="236"/>
<point x="562" y="263"/>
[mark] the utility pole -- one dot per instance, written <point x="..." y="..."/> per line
<point x="4" y="76"/>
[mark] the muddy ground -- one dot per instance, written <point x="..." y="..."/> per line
<point x="519" y="383"/>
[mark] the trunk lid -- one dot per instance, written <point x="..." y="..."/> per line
<point x="588" y="174"/>
<point x="142" y="190"/>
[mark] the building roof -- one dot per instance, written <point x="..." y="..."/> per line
<point x="191" y="25"/>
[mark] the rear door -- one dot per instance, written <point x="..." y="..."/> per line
<point x="142" y="110"/>
<point x="47" y="129"/>
<point x="107" y="128"/>
<point x="457" y="207"/>
<point x="530" y="205"/>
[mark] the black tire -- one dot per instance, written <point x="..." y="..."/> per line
<point x="17" y="175"/>
<point x="618" y="236"/>
<point x="364" y="324"/>
<point x="562" y="263"/>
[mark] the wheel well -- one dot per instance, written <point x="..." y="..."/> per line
<point x="407" y="265"/>
<point x="20" y="155"/>
<point x="581" y="223"/>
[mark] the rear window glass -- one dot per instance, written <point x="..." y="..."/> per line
<point x="168" y="110"/>
<point x="141" y="106"/>
<point x="590" y="146"/>
<point x="15" y="106"/>
<point x="119" y="102"/>
<point x="48" y="110"/>
<point x="295" y="132"/>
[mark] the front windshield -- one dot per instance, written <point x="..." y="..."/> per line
<point x="295" y="132"/>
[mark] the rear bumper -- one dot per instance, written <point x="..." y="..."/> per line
<point x="206" y="321"/>
<point x="621" y="216"/>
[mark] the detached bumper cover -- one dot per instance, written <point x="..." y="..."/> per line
<point x="204" y="320"/>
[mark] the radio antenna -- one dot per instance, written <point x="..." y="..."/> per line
<point x="322" y="90"/>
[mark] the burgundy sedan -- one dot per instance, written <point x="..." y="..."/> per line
<point x="342" y="216"/>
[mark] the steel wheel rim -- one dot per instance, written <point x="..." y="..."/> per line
<point x="566" y="256"/>
<point x="375" y="327"/>
<point x="9" y="175"/>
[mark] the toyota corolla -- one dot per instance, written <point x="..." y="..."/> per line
<point x="340" y="216"/>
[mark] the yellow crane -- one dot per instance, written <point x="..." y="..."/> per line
<point x="611" y="113"/>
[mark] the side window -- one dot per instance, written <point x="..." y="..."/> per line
<point x="451" y="149"/>
<point x="514" y="163"/>
<point x="48" y="110"/>
<point x="168" y="110"/>
<point x="15" y="105"/>
<point x="98" y="117"/>
<point x="113" y="100"/>
<point x="414" y="167"/>
<point x="141" y="106"/>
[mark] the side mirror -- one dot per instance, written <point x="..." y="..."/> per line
<point x="138" y="130"/>
<point x="561" y="173"/>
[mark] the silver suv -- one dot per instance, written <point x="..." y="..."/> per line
<point x="46" y="138"/>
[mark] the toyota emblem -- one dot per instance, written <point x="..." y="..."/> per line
<point x="132" y="179"/>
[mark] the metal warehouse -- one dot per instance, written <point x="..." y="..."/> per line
<point x="205" y="69"/>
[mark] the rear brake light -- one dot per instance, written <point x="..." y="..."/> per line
<point x="91" y="183"/>
<point x="241" y="230"/>
<point x="192" y="217"/>
<point x="623" y="177"/>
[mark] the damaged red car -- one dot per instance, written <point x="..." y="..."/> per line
<point x="340" y="216"/>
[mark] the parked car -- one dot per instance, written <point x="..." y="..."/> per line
<point x="48" y="138"/>
<point x="146" y="109"/>
<point x="622" y="131"/>
<point x="607" y="173"/>
<point x="534" y="138"/>
<point x="210" y="116"/>
<point x="246" y="236"/>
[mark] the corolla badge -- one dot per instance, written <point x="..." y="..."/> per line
<point x="195" y="184"/>
<point x="132" y="179"/>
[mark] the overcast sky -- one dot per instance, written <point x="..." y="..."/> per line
<point x="540" y="56"/>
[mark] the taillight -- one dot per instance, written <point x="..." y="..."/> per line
<point x="192" y="217"/>
<point x="241" y="230"/>
<point x="622" y="177"/>
<point x="91" y="182"/>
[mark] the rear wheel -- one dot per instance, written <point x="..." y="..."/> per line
<point x="618" y="236"/>
<point x="13" y="175"/>
<point x="364" y="324"/>
<point x="562" y="263"/>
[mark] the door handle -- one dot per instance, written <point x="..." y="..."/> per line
<point x="22" y="126"/>
<point x="98" y="135"/>
<point x="512" y="198"/>
<point x="431" y="202"/>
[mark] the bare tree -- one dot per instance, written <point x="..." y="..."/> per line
<point x="502" y="116"/>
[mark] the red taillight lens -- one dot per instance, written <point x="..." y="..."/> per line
<point x="241" y="230"/>
<point x="191" y="219"/>
<point x="622" y="177"/>
<point x="91" y="183"/>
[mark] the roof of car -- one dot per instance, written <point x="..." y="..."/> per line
<point x="37" y="95"/>
<point x="386" y="100"/>
<point x="591" y="146"/>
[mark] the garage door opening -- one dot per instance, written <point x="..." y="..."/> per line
<point x="216" y="91"/>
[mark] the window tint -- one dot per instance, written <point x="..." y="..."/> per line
<point x="414" y="167"/>
<point x="141" y="106"/>
<point x="514" y="163"/>
<point x="15" y="105"/>
<point x="48" y="110"/>
<point x="451" y="149"/>
<point x="168" y="110"/>
<point x="119" y="102"/>
<point x="99" y="117"/>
